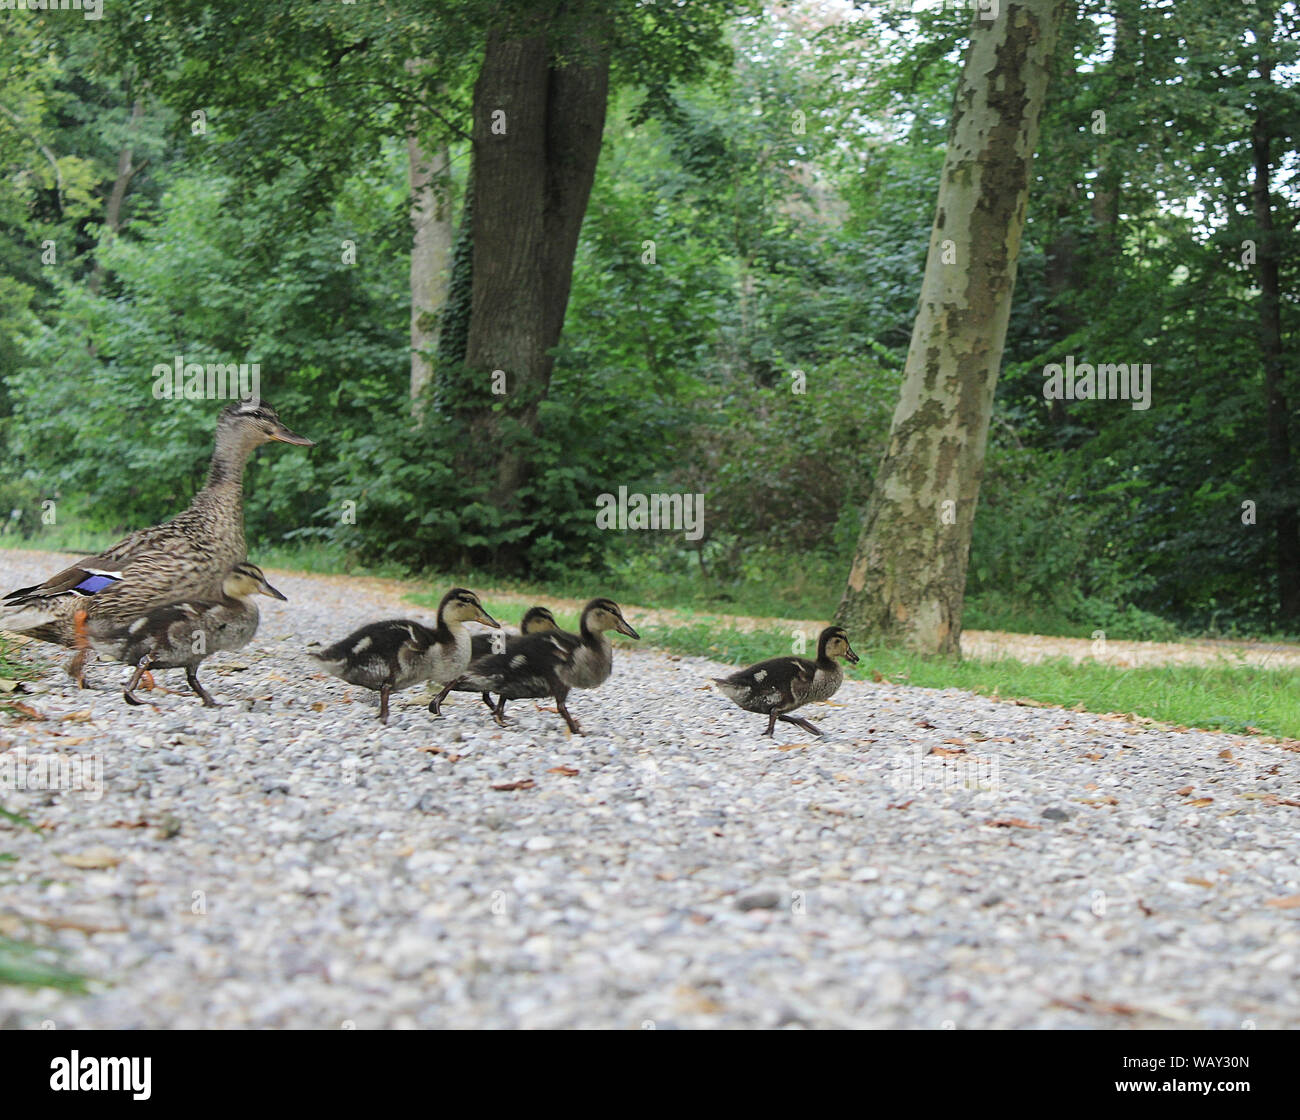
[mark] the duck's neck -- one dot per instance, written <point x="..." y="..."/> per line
<point x="448" y="628"/>
<point x="589" y="636"/>
<point x="226" y="471"/>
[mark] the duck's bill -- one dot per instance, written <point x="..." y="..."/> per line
<point x="283" y="435"/>
<point x="853" y="657"/>
<point x="625" y="627"/>
<point x="487" y="619"/>
<point x="267" y="589"/>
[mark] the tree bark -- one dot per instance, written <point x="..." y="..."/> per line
<point x="127" y="169"/>
<point x="908" y="576"/>
<point x="547" y="88"/>
<point x="1281" y="469"/>
<point x="431" y="205"/>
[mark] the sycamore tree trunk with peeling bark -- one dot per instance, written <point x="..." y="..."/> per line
<point x="909" y="572"/>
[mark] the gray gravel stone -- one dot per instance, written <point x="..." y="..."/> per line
<point x="298" y="865"/>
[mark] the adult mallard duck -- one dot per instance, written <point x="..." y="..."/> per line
<point x="536" y="620"/>
<point x="553" y="663"/>
<point x="782" y="684"/>
<point x="187" y="557"/>
<point x="183" y="635"/>
<point x="389" y="656"/>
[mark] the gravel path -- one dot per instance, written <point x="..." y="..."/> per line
<point x="288" y="862"/>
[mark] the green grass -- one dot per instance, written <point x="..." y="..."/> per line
<point x="29" y="966"/>
<point x="1227" y="697"/>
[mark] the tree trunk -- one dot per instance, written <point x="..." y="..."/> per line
<point x="127" y="170"/>
<point x="539" y="112"/>
<point x="909" y="573"/>
<point x="1281" y="470"/>
<point x="431" y="205"/>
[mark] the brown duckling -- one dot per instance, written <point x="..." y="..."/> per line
<point x="397" y="653"/>
<point x="553" y="663"/>
<point x="782" y="684"/>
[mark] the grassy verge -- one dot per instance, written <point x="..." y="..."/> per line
<point x="1236" y="698"/>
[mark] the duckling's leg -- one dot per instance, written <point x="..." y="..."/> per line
<point x="384" y="690"/>
<point x="499" y="711"/>
<point x="799" y="721"/>
<point x="142" y="667"/>
<point x="771" y="725"/>
<point x="435" y="705"/>
<point x="486" y="697"/>
<point x="560" y="695"/>
<point x="192" y="676"/>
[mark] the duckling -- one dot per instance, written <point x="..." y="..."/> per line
<point x="182" y="635"/>
<point x="536" y="620"/>
<point x="553" y="663"/>
<point x="775" y="687"/>
<point x="397" y="653"/>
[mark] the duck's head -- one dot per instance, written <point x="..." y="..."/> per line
<point x="834" y="642"/>
<point x="605" y="614"/>
<point x="536" y="620"/>
<point x="460" y="605"/>
<point x="245" y="426"/>
<point x="246" y="579"/>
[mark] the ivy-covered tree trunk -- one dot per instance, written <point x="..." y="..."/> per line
<point x="539" y="113"/>
<point x="909" y="572"/>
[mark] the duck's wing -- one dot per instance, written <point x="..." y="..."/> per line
<point x="526" y="668"/>
<point x="29" y="607"/>
<point x="779" y="682"/>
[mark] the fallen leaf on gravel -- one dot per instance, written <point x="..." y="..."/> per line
<point x="129" y="824"/>
<point x="1196" y="882"/>
<point x="792" y="746"/>
<point x="1273" y="799"/>
<point x="567" y="771"/>
<point x="76" y="717"/>
<point x="1226" y="754"/>
<point x="1290" y="902"/>
<point x="1001" y="739"/>
<point x="318" y="707"/>
<point x="1200" y="801"/>
<point x="1184" y="791"/>
<point x="1011" y="822"/>
<point x="956" y="742"/>
<point x="925" y="723"/>
<point x="1097" y="800"/>
<point x="506" y="787"/>
<point x="24" y="709"/>
<point x="901" y="805"/>
<point x="92" y="859"/>
<point x="1095" y="757"/>
<point x="7" y="685"/>
<point x="877" y="676"/>
<point x="944" y="752"/>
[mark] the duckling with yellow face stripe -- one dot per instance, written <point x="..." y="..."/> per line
<point x="782" y="684"/>
<point x="553" y="663"/>
<point x="183" y="635"/>
<point x="397" y="653"/>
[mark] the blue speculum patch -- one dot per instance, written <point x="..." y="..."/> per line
<point x="91" y="584"/>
